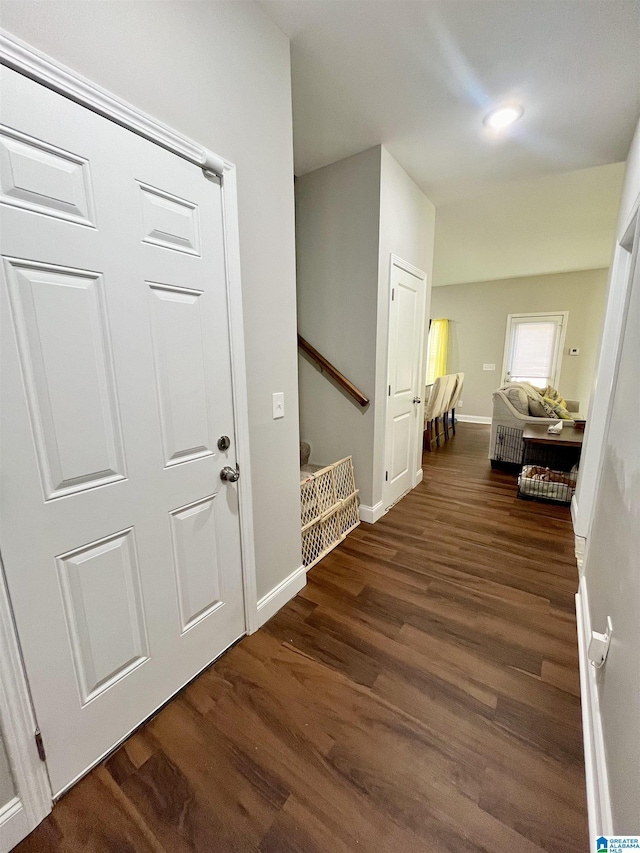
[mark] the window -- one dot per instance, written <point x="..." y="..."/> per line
<point x="533" y="348"/>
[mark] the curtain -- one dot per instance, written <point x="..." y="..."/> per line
<point x="437" y="350"/>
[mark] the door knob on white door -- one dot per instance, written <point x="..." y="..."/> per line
<point x="232" y="475"/>
<point x="417" y="400"/>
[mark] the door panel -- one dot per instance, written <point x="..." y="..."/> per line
<point x="59" y="321"/>
<point x="195" y="535"/>
<point x="403" y="432"/>
<point x="100" y="585"/>
<point x="121" y="544"/>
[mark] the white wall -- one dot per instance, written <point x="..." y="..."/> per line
<point x="350" y="217"/>
<point x="407" y="229"/>
<point x="534" y="226"/>
<point x="220" y="73"/>
<point x="611" y="573"/>
<point x="337" y="235"/>
<point x="582" y="509"/>
<point x="478" y="314"/>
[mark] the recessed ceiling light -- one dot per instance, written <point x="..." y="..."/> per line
<point x="503" y="116"/>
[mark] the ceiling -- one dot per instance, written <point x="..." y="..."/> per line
<point x="533" y="226"/>
<point x="418" y="77"/>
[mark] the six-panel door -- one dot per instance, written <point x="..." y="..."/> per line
<point x="120" y="543"/>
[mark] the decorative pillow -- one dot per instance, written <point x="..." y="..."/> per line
<point x="540" y="409"/>
<point x="552" y="394"/>
<point x="558" y="410"/>
<point x="518" y="399"/>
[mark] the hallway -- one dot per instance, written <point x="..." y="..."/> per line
<point x="420" y="694"/>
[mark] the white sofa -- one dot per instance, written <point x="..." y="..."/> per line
<point x="510" y="417"/>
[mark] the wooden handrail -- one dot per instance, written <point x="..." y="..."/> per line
<point x="333" y="372"/>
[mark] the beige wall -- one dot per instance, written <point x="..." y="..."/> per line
<point x="478" y="314"/>
<point x="220" y="73"/>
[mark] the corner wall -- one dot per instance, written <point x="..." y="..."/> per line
<point x="351" y="217"/>
<point x="478" y="314"/>
<point x="337" y="236"/>
<point x="407" y="230"/>
<point x="220" y="73"/>
<point x="610" y="513"/>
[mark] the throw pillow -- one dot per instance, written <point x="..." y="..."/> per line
<point x="540" y="409"/>
<point x="559" y="411"/>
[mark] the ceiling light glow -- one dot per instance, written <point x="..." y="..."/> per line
<point x="503" y="116"/>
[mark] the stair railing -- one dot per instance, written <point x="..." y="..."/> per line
<point x="333" y="372"/>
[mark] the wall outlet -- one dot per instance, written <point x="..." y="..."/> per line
<point x="459" y="404"/>
<point x="488" y="367"/>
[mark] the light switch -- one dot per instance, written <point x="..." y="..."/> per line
<point x="574" y="350"/>
<point x="278" y="405"/>
<point x="488" y="367"/>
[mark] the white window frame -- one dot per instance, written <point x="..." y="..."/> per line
<point x="557" y="356"/>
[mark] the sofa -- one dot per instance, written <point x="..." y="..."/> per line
<point x="512" y="412"/>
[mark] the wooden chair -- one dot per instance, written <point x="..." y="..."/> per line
<point x="433" y="411"/>
<point x="451" y="408"/>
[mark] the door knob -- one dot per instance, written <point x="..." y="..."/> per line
<point x="417" y="400"/>
<point x="230" y="474"/>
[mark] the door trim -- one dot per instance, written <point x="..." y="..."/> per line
<point x="416" y="474"/>
<point x="34" y="786"/>
<point x="33" y="799"/>
<point x="560" y="344"/>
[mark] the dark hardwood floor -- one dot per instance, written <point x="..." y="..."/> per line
<point x="420" y="694"/>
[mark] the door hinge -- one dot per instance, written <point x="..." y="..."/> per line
<point x="40" y="745"/>
<point x="393" y="293"/>
<point x="386" y="476"/>
<point x="389" y="394"/>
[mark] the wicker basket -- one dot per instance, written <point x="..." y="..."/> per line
<point x="328" y="509"/>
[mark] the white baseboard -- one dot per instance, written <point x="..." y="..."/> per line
<point x="419" y="476"/>
<point x="270" y="603"/>
<point x="371" y="514"/>
<point x="14" y="825"/>
<point x="598" y="802"/>
<point x="473" y="419"/>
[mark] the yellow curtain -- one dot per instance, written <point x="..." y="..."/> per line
<point x="437" y="350"/>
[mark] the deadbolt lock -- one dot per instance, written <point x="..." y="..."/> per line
<point x="224" y="442"/>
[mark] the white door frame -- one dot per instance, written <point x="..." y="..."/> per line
<point x="416" y="475"/>
<point x="33" y="796"/>
<point x="21" y="57"/>
<point x="559" y="343"/>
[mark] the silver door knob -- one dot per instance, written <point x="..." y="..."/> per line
<point x="417" y="400"/>
<point x="230" y="474"/>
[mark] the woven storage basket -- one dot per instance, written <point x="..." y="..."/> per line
<point x="328" y="509"/>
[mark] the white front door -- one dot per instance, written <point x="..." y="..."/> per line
<point x="403" y="440"/>
<point x="120" y="542"/>
<point x="533" y="348"/>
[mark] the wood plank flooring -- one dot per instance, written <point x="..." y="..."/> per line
<point x="420" y="694"/>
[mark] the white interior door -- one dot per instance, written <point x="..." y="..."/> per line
<point x="403" y="441"/>
<point x="533" y="348"/>
<point x="120" y="542"/>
